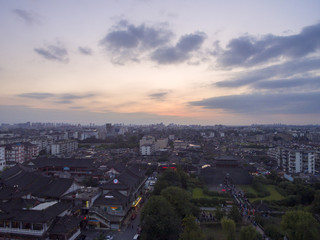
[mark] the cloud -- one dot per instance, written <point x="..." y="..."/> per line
<point x="85" y="50"/>
<point x="28" y="17"/>
<point x="53" y="52"/>
<point x="65" y="98"/>
<point x="284" y="103"/>
<point x="288" y="69"/>
<point x="18" y="114"/>
<point x="304" y="83"/>
<point x="181" y="52"/>
<point x="63" y="101"/>
<point x="69" y="96"/>
<point x="36" y="95"/>
<point x="159" y="96"/>
<point x="250" y="51"/>
<point x="127" y="41"/>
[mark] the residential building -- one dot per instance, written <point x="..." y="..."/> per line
<point x="64" y="147"/>
<point x="2" y="157"/>
<point x="294" y="160"/>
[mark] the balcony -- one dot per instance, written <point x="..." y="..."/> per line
<point x="22" y="231"/>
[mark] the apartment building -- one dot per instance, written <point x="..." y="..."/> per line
<point x="294" y="160"/>
<point x="64" y="147"/>
<point x="2" y="158"/>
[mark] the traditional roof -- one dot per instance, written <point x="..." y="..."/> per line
<point x="111" y="198"/>
<point x="20" y="181"/>
<point x="56" y="188"/>
<point x="65" y="225"/>
<point x="119" y="167"/>
<point x="60" y="162"/>
<point x="36" y="216"/>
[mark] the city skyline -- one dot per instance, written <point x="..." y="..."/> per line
<point x="145" y="61"/>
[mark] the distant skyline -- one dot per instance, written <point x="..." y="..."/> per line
<point x="147" y="61"/>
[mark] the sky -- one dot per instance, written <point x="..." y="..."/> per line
<point x="201" y="62"/>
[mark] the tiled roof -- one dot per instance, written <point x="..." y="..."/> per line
<point x="65" y="225"/>
<point x="35" y="216"/>
<point x="112" y="198"/>
<point x="60" y="162"/>
<point x="56" y="188"/>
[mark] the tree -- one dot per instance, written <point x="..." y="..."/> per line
<point x="316" y="203"/>
<point x="191" y="229"/>
<point x="229" y="227"/>
<point x="159" y="220"/>
<point x="300" y="225"/>
<point x="171" y="177"/>
<point x="234" y="214"/>
<point x="180" y="200"/>
<point x="219" y="214"/>
<point x="168" y="178"/>
<point x="249" y="233"/>
<point x="159" y="186"/>
<point x="273" y="231"/>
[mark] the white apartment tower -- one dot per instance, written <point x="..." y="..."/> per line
<point x="2" y="158"/>
<point x="294" y="160"/>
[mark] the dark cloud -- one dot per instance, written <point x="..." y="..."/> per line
<point x="127" y="41"/>
<point x="285" y="103"/>
<point x="250" y="51"/>
<point x="285" y="70"/>
<point x="57" y="98"/>
<point x="63" y="101"/>
<point x="55" y="53"/>
<point x="289" y="84"/>
<point x="27" y="16"/>
<point x="169" y="55"/>
<point x="85" y="50"/>
<point x="181" y="52"/>
<point x="158" y="96"/>
<point x="36" y="95"/>
<point x="74" y="96"/>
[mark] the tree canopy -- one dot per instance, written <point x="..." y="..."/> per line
<point x="191" y="229"/>
<point x="229" y="227"/>
<point x="300" y="225"/>
<point x="180" y="200"/>
<point x="249" y="233"/>
<point x="234" y="214"/>
<point x="159" y="220"/>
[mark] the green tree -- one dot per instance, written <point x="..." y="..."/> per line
<point x="249" y="233"/>
<point x="159" y="186"/>
<point x="300" y="225"/>
<point x="180" y="200"/>
<point x="316" y="202"/>
<point x="229" y="227"/>
<point x="234" y="214"/>
<point x="219" y="214"/>
<point x="171" y="177"/>
<point x="191" y="229"/>
<point x="273" y="231"/>
<point x="159" y="220"/>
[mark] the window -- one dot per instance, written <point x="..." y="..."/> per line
<point x="37" y="226"/>
<point x="26" y="226"/>
<point x="15" y="224"/>
<point x="7" y="224"/>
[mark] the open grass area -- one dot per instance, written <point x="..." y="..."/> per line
<point x="198" y="193"/>
<point x="274" y="194"/>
